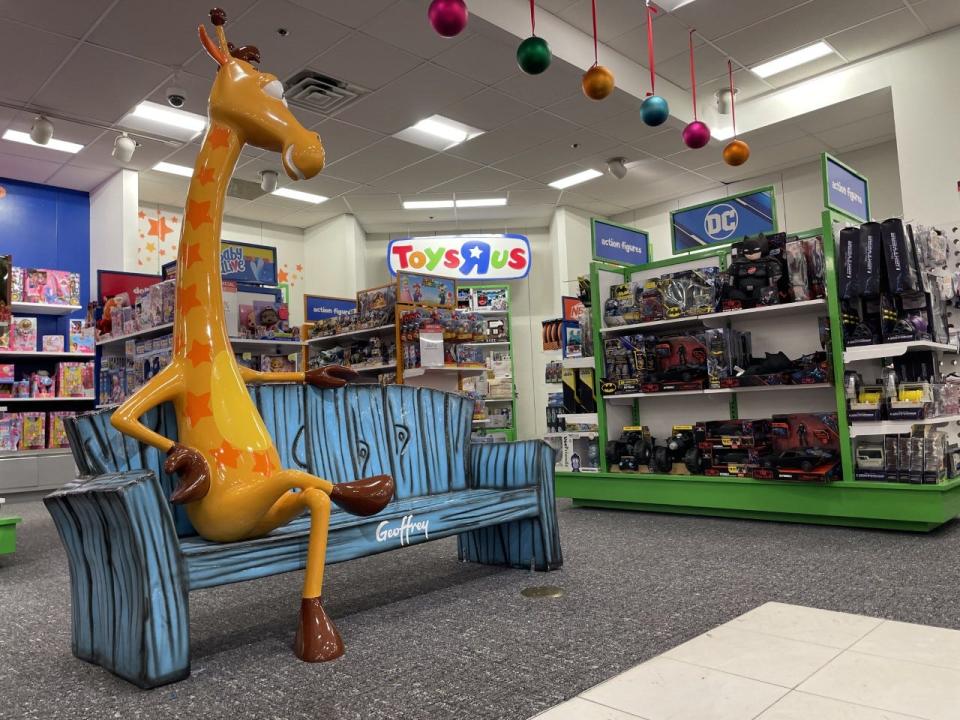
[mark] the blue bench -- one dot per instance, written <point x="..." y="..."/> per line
<point x="134" y="557"/>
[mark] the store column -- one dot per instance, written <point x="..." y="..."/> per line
<point x="334" y="257"/>
<point x="113" y="225"/>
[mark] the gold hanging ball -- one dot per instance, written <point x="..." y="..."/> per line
<point x="597" y="82"/>
<point x="737" y="152"/>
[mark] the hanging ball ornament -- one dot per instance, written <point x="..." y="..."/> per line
<point x="448" y="17"/>
<point x="654" y="110"/>
<point x="736" y="153"/>
<point x="533" y="55"/>
<point x="696" y="135"/>
<point x="597" y="82"/>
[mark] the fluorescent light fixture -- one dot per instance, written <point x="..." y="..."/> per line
<point x="671" y="5"/>
<point x="426" y="204"/>
<point x="792" y="59"/>
<point x="181" y="170"/>
<point x="481" y="202"/>
<point x="438" y="133"/>
<point x="54" y="144"/>
<point x="162" y="120"/>
<point x="721" y="133"/>
<point x="575" y="179"/>
<point x="300" y="195"/>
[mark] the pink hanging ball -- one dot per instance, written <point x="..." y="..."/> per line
<point x="696" y="135"/>
<point x="448" y="17"/>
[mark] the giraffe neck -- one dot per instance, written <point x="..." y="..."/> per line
<point x="198" y="260"/>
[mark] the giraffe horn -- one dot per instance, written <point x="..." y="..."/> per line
<point x="211" y="47"/>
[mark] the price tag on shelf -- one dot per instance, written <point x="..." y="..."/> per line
<point x="431" y="349"/>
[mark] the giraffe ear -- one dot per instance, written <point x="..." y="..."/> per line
<point x="211" y="47"/>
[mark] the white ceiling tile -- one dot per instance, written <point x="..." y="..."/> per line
<point x="547" y="196"/>
<point x="488" y="109"/>
<point x="480" y="58"/>
<point x="879" y="35"/>
<point x="80" y="178"/>
<point x="614" y="17"/>
<point x="16" y="167"/>
<point x="554" y="6"/>
<point x="35" y="53"/>
<point x="414" y="96"/>
<point x="666" y="142"/>
<point x="317" y="213"/>
<point x="347" y="12"/>
<point x="627" y="126"/>
<point x="938" y="14"/>
<point x="583" y="111"/>
<point x="670" y="36"/>
<point x="498" y="219"/>
<point x="558" y="82"/>
<point x="580" y="146"/>
<point x="69" y="18"/>
<point x="378" y="160"/>
<point x="405" y="25"/>
<point x="196" y="87"/>
<point x="844" y="113"/>
<point x="748" y="86"/>
<point x="807" y="70"/>
<point x="716" y="18"/>
<point x="251" y="211"/>
<point x="78" y="88"/>
<point x="99" y="153"/>
<point x="426" y="174"/>
<point x="693" y="159"/>
<point x="878" y="127"/>
<point x="710" y="65"/>
<point x="360" y="201"/>
<point x="366" y="61"/>
<point x="164" y="189"/>
<point x="340" y="139"/>
<point x="483" y="180"/>
<point x="513" y="138"/>
<point x="771" y="135"/>
<point x="563" y="171"/>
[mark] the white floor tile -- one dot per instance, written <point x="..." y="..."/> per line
<point x="824" y="627"/>
<point x="580" y="709"/>
<point x="664" y="689"/>
<point x="758" y="656"/>
<point x="801" y="706"/>
<point x="904" y="687"/>
<point x="914" y="643"/>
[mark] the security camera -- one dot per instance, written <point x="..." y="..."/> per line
<point x="617" y="167"/>
<point x="124" y="147"/>
<point x="42" y="130"/>
<point x="176" y="97"/>
<point x="268" y="180"/>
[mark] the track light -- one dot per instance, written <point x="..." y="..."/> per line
<point x="42" y="131"/>
<point x="268" y="180"/>
<point x="124" y="147"/>
<point x="617" y="167"/>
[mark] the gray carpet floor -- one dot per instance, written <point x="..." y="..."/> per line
<point x="431" y="638"/>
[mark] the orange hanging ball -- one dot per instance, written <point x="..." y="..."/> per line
<point x="737" y="152"/>
<point x="597" y="82"/>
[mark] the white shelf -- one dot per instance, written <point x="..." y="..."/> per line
<point x="487" y="313"/>
<point x="896" y="427"/>
<point x="573" y="434"/>
<point x="580" y="362"/>
<point x="629" y="397"/>
<point x="579" y="417"/>
<point x="42" y="354"/>
<point x="34" y="453"/>
<point x="373" y="368"/>
<point x="239" y="344"/>
<point x="718" y="318"/>
<point x="4" y="401"/>
<point x="144" y="333"/>
<point x="484" y="421"/>
<point x="20" y="308"/>
<point x="420" y="371"/>
<point x="882" y="350"/>
<point x="351" y="333"/>
<point x="489" y="401"/>
<point x="504" y="343"/>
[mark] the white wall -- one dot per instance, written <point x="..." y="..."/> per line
<point x="335" y="258"/>
<point x="113" y="225"/>
<point x="799" y="194"/>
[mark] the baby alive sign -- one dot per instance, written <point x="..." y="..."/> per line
<point x="462" y="257"/>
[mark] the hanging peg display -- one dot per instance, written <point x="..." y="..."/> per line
<point x="598" y="81"/>
<point x="654" y="109"/>
<point x="737" y="152"/>
<point x="448" y="17"/>
<point x="695" y="135"/>
<point x="533" y="54"/>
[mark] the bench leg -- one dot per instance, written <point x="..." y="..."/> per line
<point x="128" y="591"/>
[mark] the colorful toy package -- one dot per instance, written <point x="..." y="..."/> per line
<point x="75" y="379"/>
<point x="24" y="336"/>
<point x="82" y="339"/>
<point x="6" y="373"/>
<point x="16" y="284"/>
<point x="56" y="432"/>
<point x="425" y="290"/>
<point x="33" y="431"/>
<point x="51" y="287"/>
<point x="10" y="431"/>
<point x="52" y="343"/>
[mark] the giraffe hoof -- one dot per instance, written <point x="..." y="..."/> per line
<point x="317" y="639"/>
<point x="194" y="474"/>
<point x="366" y="496"/>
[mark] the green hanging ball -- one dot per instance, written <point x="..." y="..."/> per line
<point x="533" y="55"/>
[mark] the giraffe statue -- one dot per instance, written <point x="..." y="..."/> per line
<point x="230" y="475"/>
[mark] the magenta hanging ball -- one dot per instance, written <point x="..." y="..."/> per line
<point x="533" y="55"/>
<point x="448" y="17"/>
<point x="654" y="110"/>
<point x="696" y="135"/>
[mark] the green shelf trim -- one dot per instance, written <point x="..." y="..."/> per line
<point x="8" y="534"/>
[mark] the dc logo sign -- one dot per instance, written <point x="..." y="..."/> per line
<point x="721" y="221"/>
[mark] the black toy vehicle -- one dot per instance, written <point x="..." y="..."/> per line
<point x="805" y="459"/>
<point x="681" y="446"/>
<point x="631" y="450"/>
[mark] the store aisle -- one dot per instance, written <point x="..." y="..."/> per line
<point x="787" y="662"/>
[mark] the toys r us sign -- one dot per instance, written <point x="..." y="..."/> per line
<point x="462" y="257"/>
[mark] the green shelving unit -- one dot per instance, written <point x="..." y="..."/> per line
<point x="846" y="502"/>
<point x="8" y="534"/>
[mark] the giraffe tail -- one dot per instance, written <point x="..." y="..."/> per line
<point x="366" y="496"/>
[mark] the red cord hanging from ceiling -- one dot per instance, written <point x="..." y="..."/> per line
<point x="650" y="59"/>
<point x="693" y="76"/>
<point x="596" y="59"/>
<point x="733" y="104"/>
<point x="533" y="19"/>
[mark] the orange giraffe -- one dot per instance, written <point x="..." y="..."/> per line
<point x="230" y="474"/>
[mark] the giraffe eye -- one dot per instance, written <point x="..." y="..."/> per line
<point x="274" y="89"/>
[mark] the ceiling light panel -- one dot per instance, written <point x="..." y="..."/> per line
<point x="481" y="202"/>
<point x="576" y="179"/>
<point x="426" y="204"/>
<point x="300" y="195"/>
<point x="172" y="169"/>
<point x="792" y="59"/>
<point x="164" y="121"/>
<point x="53" y="144"/>
<point x="438" y="133"/>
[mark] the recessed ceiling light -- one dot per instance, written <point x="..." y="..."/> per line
<point x="481" y="202"/>
<point x="300" y="195"/>
<point x="792" y="59"/>
<point x="426" y="204"/>
<point x="181" y="170"/>
<point x="575" y="179"/>
<point x="438" y="133"/>
<point x="162" y="120"/>
<point x="53" y="144"/>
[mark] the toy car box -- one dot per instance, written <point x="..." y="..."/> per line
<point x="805" y="447"/>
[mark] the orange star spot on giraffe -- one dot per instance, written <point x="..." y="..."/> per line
<point x="193" y="254"/>
<point x="219" y="137"/>
<point x="205" y="175"/>
<point x="227" y="455"/>
<point x="188" y="300"/>
<point x="199" y="353"/>
<point x="159" y="228"/>
<point x="198" y="213"/>
<point x="262" y="462"/>
<point x="198" y="407"/>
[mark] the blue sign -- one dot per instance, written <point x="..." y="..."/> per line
<point x="724" y="221"/>
<point x="242" y="262"/>
<point x="845" y="190"/>
<point x="317" y="307"/>
<point x="620" y="245"/>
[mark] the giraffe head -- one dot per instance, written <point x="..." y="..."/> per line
<point x="251" y="103"/>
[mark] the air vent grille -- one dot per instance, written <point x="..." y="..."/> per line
<point x="319" y="93"/>
<point x="244" y="189"/>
